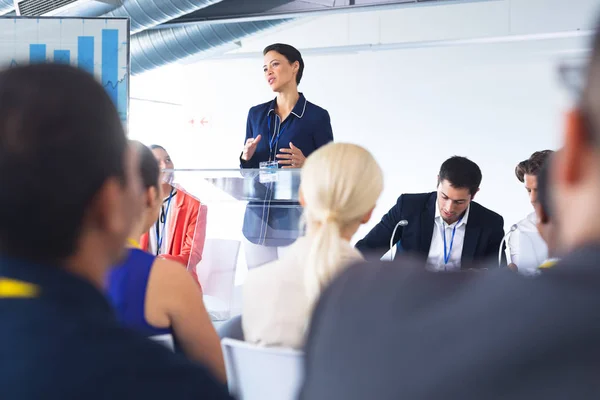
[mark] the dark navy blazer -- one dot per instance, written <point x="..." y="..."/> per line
<point x="64" y="342"/>
<point x="483" y="235"/>
<point x="308" y="127"/>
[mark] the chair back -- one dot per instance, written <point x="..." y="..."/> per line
<point x="262" y="373"/>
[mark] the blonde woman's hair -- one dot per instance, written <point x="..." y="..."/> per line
<point x="340" y="184"/>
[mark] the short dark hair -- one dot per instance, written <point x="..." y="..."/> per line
<point x="532" y="165"/>
<point x="291" y="54"/>
<point x="149" y="169"/>
<point x="58" y="127"/>
<point x="157" y="146"/>
<point x="543" y="189"/>
<point x="461" y="173"/>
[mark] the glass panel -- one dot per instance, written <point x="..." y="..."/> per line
<point x="246" y="218"/>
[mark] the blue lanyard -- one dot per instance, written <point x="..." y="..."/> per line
<point x="159" y="238"/>
<point x="274" y="138"/>
<point x="447" y="253"/>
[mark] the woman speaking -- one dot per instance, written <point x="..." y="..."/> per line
<point x="285" y="130"/>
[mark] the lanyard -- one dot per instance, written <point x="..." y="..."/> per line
<point x="274" y="138"/>
<point x="447" y="253"/>
<point x="134" y="243"/>
<point x="161" y="236"/>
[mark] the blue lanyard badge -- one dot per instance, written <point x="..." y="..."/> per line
<point x="274" y="142"/>
<point x="161" y="236"/>
<point x="447" y="253"/>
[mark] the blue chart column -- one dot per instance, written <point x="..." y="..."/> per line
<point x="110" y="63"/>
<point x="37" y="53"/>
<point x="85" y="53"/>
<point x="62" y="56"/>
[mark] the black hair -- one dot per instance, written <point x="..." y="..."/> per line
<point x="532" y="165"/>
<point x="291" y="54"/>
<point x="543" y="189"/>
<point x="157" y="146"/>
<point x="461" y="173"/>
<point x="61" y="139"/>
<point x="149" y="169"/>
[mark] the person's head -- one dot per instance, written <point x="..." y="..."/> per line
<point x="544" y="208"/>
<point x="151" y="186"/>
<point x="458" y="182"/>
<point x="340" y="185"/>
<point x="57" y="124"/>
<point x="527" y="171"/>
<point x="165" y="163"/>
<point x="575" y="171"/>
<point x="283" y="66"/>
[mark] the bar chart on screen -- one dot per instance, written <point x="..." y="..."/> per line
<point x="97" y="45"/>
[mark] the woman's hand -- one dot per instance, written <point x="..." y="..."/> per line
<point x="292" y="157"/>
<point x="250" y="148"/>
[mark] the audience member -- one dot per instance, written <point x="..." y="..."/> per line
<point x="152" y="295"/>
<point x="534" y="251"/>
<point x="445" y="228"/>
<point x="387" y="331"/>
<point x="340" y="185"/>
<point x="180" y="231"/>
<point x="59" y="337"/>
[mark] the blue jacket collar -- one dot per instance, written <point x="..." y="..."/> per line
<point x="298" y="110"/>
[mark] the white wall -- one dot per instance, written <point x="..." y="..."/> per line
<point x="494" y="102"/>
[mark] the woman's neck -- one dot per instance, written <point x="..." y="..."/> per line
<point x="166" y="189"/>
<point x="137" y="230"/>
<point x="286" y="101"/>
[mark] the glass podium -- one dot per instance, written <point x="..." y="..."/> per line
<point x="246" y="218"/>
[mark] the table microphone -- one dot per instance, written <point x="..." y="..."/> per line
<point x="402" y="223"/>
<point x="511" y="230"/>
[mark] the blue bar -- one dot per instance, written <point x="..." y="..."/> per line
<point x="62" y="56"/>
<point x="123" y="93"/>
<point x="110" y="63"/>
<point x="37" y="53"/>
<point x="85" y="53"/>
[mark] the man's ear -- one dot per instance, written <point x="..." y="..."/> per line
<point x="301" y="197"/>
<point x="568" y="163"/>
<point x="152" y="197"/>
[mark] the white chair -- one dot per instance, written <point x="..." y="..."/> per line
<point x="216" y="273"/>
<point x="262" y="373"/>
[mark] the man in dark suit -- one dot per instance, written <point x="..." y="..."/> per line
<point x="446" y="228"/>
<point x="385" y="332"/>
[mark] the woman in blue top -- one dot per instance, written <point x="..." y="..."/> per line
<point x="287" y="130"/>
<point x="157" y="297"/>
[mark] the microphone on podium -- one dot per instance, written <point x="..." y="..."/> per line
<point x="504" y="239"/>
<point x="402" y="223"/>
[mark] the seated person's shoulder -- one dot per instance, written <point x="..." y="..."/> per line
<point x="141" y="367"/>
<point x="266" y="277"/>
<point x="487" y="213"/>
<point x="173" y="280"/>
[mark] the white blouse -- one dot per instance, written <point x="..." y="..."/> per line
<point x="275" y="304"/>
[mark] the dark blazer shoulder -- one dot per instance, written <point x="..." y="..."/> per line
<point x="482" y="213"/>
<point x="414" y="202"/>
<point x="259" y="109"/>
<point x="315" y="109"/>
